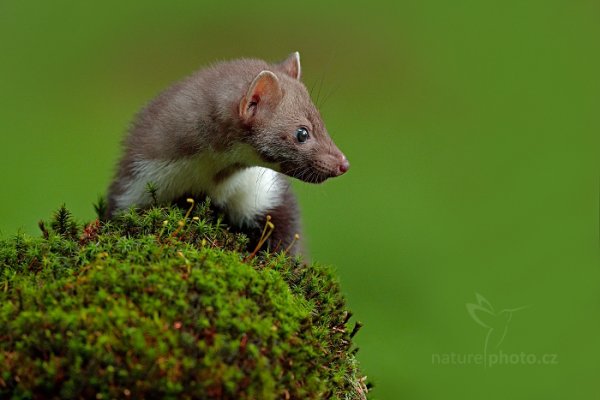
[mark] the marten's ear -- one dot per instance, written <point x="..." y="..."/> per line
<point x="291" y="65"/>
<point x="264" y="91"/>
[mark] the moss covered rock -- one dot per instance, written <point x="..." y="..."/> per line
<point x="158" y="304"/>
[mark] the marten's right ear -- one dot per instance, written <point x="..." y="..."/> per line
<point x="264" y="92"/>
<point x="291" y="65"/>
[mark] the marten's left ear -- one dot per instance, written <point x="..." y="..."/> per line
<point x="264" y="92"/>
<point x="291" y="65"/>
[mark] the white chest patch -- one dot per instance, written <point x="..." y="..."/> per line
<point x="249" y="193"/>
<point x="244" y="195"/>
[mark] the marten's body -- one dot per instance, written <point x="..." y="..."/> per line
<point x="230" y="132"/>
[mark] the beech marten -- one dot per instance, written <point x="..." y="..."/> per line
<point x="230" y="132"/>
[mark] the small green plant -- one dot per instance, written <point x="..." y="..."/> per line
<point x="64" y="224"/>
<point x="166" y="303"/>
<point x="152" y="190"/>
<point x="101" y="207"/>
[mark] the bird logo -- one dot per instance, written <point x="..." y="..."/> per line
<point x="496" y="323"/>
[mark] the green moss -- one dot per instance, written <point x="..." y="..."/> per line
<point x="138" y="307"/>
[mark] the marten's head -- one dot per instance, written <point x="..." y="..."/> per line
<point x="285" y="128"/>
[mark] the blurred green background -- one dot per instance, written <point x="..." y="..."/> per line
<point x="472" y="128"/>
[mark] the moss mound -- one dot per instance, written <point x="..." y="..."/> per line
<point x="158" y="304"/>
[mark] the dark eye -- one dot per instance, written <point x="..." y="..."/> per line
<point x="302" y="135"/>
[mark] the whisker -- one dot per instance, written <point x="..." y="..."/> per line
<point x="325" y="72"/>
<point x="320" y="87"/>
<point x="273" y="182"/>
<point x="332" y="91"/>
<point x="258" y="179"/>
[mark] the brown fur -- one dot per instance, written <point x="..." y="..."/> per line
<point x="245" y="101"/>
